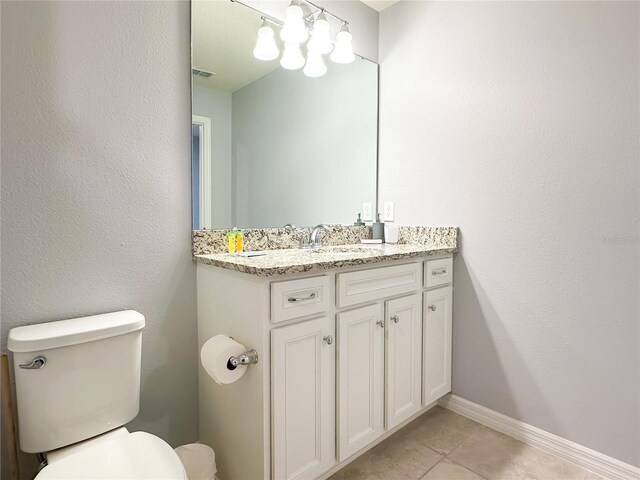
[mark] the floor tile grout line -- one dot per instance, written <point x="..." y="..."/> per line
<point x="464" y="466"/>
<point x="459" y="463"/>
<point x="471" y="433"/>
<point x="442" y="456"/>
<point x="434" y="466"/>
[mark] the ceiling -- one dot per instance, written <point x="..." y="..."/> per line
<point x="379" y="5"/>
<point x="224" y="34"/>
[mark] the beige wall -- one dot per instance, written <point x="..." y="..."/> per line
<point x="518" y="121"/>
<point x="96" y="183"/>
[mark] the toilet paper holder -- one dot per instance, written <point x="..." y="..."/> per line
<point x="246" y="358"/>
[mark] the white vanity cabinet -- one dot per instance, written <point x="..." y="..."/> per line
<point x="378" y="342"/>
<point x="403" y="358"/>
<point x="303" y="373"/>
<point x="436" y="369"/>
<point x="346" y="358"/>
<point x="360" y="382"/>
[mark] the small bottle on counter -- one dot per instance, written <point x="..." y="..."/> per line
<point x="239" y="241"/>
<point x="378" y="229"/>
<point x="231" y="241"/>
<point x="359" y="222"/>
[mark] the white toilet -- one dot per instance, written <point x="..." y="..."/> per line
<point x="77" y="383"/>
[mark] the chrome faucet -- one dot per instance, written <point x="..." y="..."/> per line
<point x="314" y="237"/>
<point x="309" y="238"/>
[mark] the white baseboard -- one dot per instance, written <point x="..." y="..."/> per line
<point x="585" y="457"/>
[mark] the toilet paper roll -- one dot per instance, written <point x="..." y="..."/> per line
<point x="215" y="354"/>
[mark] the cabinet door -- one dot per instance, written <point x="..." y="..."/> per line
<point x="437" y="344"/>
<point x="403" y="358"/>
<point x="360" y="378"/>
<point x="303" y="399"/>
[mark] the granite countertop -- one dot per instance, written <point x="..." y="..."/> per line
<point x="290" y="261"/>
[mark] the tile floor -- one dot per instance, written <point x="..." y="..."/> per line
<point x="442" y="445"/>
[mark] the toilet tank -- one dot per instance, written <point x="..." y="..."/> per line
<point x="89" y="383"/>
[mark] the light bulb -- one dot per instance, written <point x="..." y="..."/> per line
<point x="266" y="48"/>
<point x="292" y="58"/>
<point x="315" y="66"/>
<point x="343" y="51"/>
<point x="320" y="37"/>
<point x="294" y="30"/>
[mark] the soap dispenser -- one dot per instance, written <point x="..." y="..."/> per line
<point x="378" y="229"/>
<point x="359" y="222"/>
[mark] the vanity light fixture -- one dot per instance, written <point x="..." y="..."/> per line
<point x="266" y="48"/>
<point x="298" y="26"/>
<point x="292" y="58"/>
<point x="315" y="66"/>
<point x="343" y="51"/>
<point x="320" y="38"/>
<point x="294" y="30"/>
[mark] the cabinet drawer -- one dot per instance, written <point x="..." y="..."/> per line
<point x="298" y="298"/>
<point x="377" y="283"/>
<point x="438" y="272"/>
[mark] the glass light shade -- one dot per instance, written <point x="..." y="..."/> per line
<point x="315" y="66"/>
<point x="320" y="37"/>
<point x="292" y="58"/>
<point x="343" y="51"/>
<point x="266" y="48"/>
<point x="294" y="30"/>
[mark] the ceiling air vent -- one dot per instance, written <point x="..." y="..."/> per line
<point x="201" y="73"/>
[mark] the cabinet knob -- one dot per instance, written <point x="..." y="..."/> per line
<point x="328" y="339"/>
<point x="395" y="318"/>
<point x="381" y="323"/>
<point x="432" y="308"/>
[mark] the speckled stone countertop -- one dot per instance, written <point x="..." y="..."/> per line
<point x="290" y="261"/>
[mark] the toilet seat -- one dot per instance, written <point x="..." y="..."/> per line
<point x="137" y="455"/>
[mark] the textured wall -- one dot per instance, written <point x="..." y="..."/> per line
<point x="96" y="183"/>
<point x="518" y="121"/>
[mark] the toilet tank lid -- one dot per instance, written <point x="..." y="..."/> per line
<point x="62" y="333"/>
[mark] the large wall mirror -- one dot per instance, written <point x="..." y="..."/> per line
<point x="272" y="146"/>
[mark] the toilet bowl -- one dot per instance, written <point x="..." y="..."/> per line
<point x="115" y="455"/>
<point x="77" y="384"/>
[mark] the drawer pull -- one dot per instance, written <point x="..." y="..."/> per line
<point x="395" y="318"/>
<point x="328" y="339"/>
<point x="311" y="296"/>
<point x="441" y="271"/>
<point x="381" y="323"/>
<point x="432" y="308"/>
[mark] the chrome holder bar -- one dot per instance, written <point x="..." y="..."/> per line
<point x="322" y="9"/>
<point x="307" y="17"/>
<point x="265" y="18"/>
<point x="247" y="358"/>
<point x="264" y="15"/>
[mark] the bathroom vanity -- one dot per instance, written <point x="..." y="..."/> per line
<point x="353" y="343"/>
